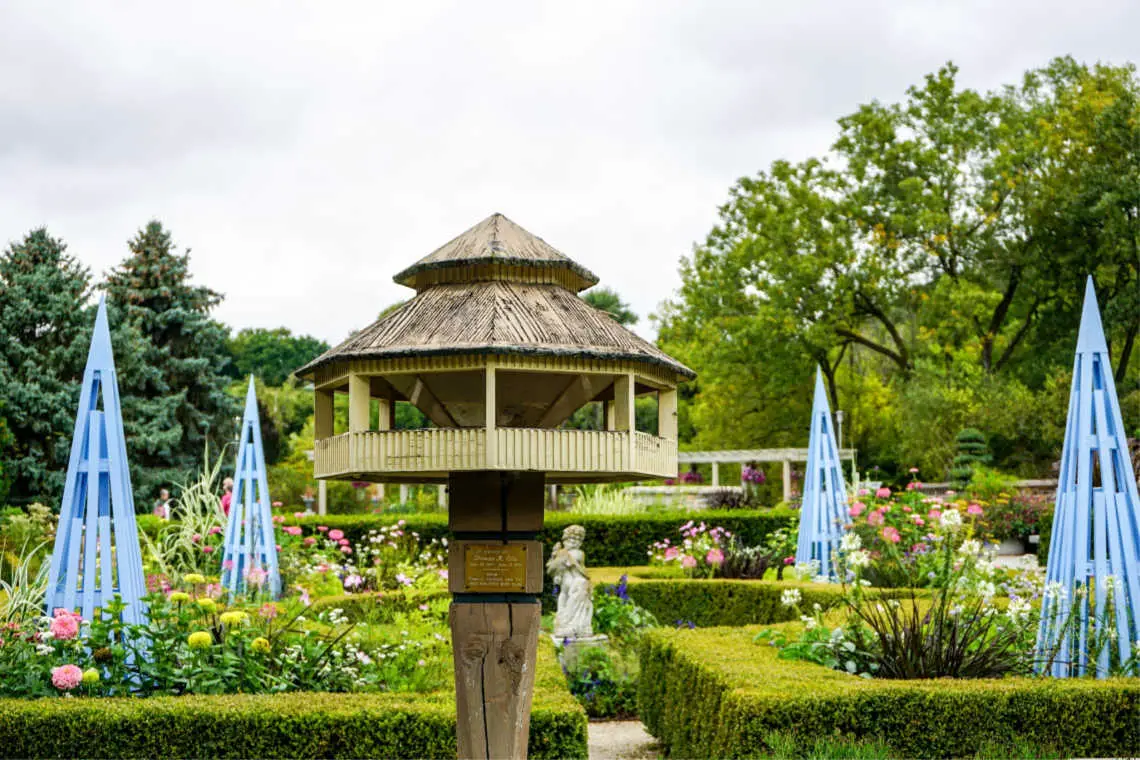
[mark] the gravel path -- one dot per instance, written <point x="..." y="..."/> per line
<point x="622" y="740"/>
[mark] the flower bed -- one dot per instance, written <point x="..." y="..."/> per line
<point x="715" y="693"/>
<point x="302" y="725"/>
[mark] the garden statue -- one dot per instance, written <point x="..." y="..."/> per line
<point x="567" y="566"/>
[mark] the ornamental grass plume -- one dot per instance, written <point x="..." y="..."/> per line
<point x="66" y="677"/>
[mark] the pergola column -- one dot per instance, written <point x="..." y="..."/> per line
<point x="787" y="480"/>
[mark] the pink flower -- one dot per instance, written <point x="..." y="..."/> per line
<point x="255" y="577"/>
<point x="228" y="564"/>
<point x="883" y="493"/>
<point x="875" y="518"/>
<point x="277" y="504"/>
<point x="66" y="677"/>
<point x="913" y="470"/>
<point x="309" y="541"/>
<point x="934" y="514"/>
<point x="336" y="534"/>
<point x="443" y="574"/>
<point x="343" y="542"/>
<point x="65" y="625"/>
<point x="214" y="590"/>
<point x="918" y="520"/>
<point x="906" y="508"/>
<point x="424" y="608"/>
<point x="715" y="557"/>
<point x="403" y="579"/>
<point x="919" y="548"/>
<point x="914" y="485"/>
<point x="857" y="509"/>
<point x="215" y="530"/>
<point x="196" y="538"/>
<point x="789" y="560"/>
<point x="292" y="530"/>
<point x="268" y="610"/>
<point x="208" y="549"/>
<point x="278" y="519"/>
<point x="672" y="553"/>
<point x="974" y="509"/>
<point x="323" y="528"/>
<point x="688" y="562"/>
<point x="891" y="534"/>
<point x="346" y="549"/>
<point x="298" y="515"/>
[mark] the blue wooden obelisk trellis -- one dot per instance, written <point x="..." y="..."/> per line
<point x="1096" y="524"/>
<point x="249" y="541"/>
<point x="96" y="551"/>
<point x="824" y="510"/>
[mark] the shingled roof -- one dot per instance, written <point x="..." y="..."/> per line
<point x="497" y="240"/>
<point x="512" y="310"/>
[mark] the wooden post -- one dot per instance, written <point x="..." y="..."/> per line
<point x="787" y="480"/>
<point x="403" y="493"/>
<point x="359" y="399"/>
<point x="323" y="414"/>
<point x="323" y="497"/>
<point x="490" y="409"/>
<point x="624" y="413"/>
<point x="495" y="576"/>
<point x="716" y="473"/>
<point x="667" y="414"/>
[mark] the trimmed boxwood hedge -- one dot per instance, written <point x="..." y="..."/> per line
<point x="714" y="693"/>
<point x="716" y="602"/>
<point x="300" y="725"/>
<point x="617" y="540"/>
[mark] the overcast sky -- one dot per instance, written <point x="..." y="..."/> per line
<point x="306" y="152"/>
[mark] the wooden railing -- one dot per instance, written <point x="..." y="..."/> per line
<point x="438" y="451"/>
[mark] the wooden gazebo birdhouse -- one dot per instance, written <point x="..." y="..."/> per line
<point x="498" y="351"/>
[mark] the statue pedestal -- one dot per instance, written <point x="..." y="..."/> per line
<point x="569" y="648"/>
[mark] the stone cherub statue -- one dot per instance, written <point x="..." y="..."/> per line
<point x="567" y="566"/>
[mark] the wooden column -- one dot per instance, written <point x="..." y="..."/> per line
<point x="667" y="414"/>
<point x="787" y="480"/>
<point x="323" y="414"/>
<point x="495" y="576"/>
<point x="359" y="400"/>
<point x="323" y="497"/>
<point x="490" y="410"/>
<point x="624" y="417"/>
<point x="716" y="473"/>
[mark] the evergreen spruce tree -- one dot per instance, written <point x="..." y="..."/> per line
<point x="45" y="326"/>
<point x="176" y="399"/>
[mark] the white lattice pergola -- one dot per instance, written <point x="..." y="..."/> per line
<point x="744" y="456"/>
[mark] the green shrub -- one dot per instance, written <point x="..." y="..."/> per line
<point x="613" y="540"/>
<point x="376" y="608"/>
<point x="714" y="693"/>
<point x="302" y="725"/>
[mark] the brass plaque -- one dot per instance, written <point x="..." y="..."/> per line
<point x="491" y="568"/>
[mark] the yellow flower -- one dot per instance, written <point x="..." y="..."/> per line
<point x="200" y="640"/>
<point x="207" y="605"/>
<point x="91" y="676"/>
<point x="194" y="578"/>
<point x="179" y="596"/>
<point x="233" y="617"/>
<point x="260" y="645"/>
